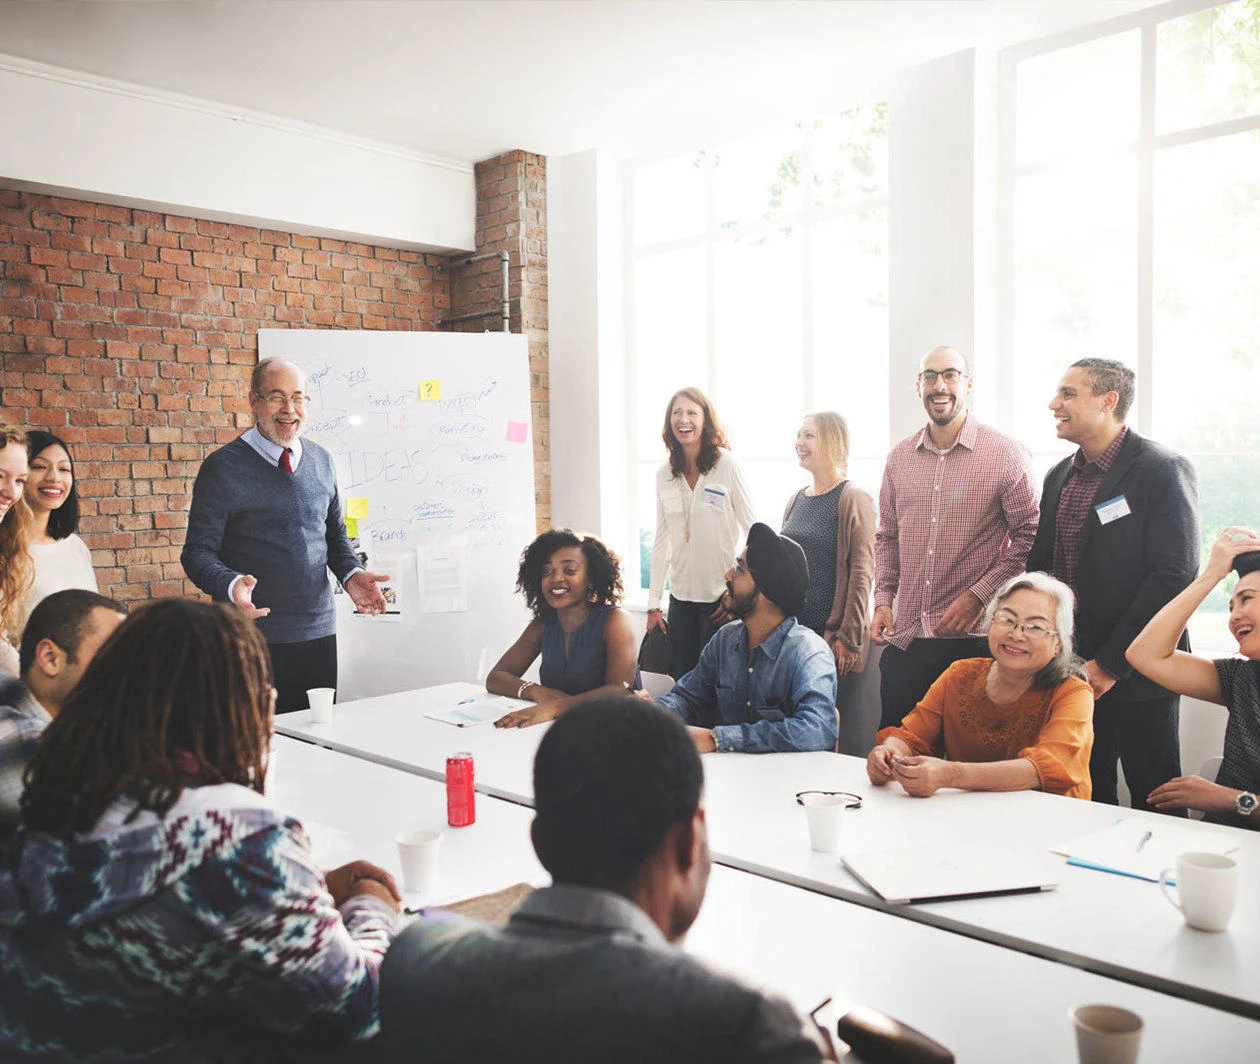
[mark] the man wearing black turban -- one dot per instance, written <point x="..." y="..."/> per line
<point x="763" y="682"/>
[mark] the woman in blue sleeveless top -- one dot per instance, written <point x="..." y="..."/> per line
<point x="572" y="584"/>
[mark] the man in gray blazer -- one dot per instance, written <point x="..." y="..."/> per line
<point x="587" y="969"/>
<point x="1120" y="526"/>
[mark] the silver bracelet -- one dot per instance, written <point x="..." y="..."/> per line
<point x="525" y="686"/>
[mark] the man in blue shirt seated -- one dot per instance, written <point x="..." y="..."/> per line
<point x="589" y="969"/>
<point x="763" y="683"/>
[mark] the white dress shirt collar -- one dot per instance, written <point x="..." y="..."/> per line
<point x="272" y="451"/>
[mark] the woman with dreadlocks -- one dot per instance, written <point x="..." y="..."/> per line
<point x="155" y="906"/>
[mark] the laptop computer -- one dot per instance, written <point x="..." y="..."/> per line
<point x="903" y="877"/>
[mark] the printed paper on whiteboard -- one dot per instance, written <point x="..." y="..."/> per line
<point x="443" y="579"/>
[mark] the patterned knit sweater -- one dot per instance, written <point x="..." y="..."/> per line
<point x="206" y="935"/>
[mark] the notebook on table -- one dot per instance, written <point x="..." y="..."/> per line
<point x="903" y="877"/>
<point x="1142" y="847"/>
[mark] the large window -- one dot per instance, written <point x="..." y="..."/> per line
<point x="1131" y="206"/>
<point x="759" y="272"/>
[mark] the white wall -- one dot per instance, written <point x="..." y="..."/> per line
<point x="587" y="374"/>
<point x="84" y="137"/>
<point x="931" y="210"/>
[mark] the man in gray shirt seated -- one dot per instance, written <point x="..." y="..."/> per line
<point x="588" y="968"/>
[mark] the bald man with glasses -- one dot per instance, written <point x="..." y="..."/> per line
<point x="957" y="516"/>
<point x="264" y="528"/>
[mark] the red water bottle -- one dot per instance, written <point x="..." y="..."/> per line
<point x="461" y="803"/>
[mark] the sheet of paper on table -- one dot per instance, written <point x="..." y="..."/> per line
<point x="1120" y="847"/>
<point x="480" y="710"/>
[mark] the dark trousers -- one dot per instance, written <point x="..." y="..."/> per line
<point x="1143" y="737"/>
<point x="906" y="675"/>
<point x="300" y="666"/>
<point x="689" y="630"/>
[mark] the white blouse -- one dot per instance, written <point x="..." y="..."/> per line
<point x="63" y="564"/>
<point x="698" y="531"/>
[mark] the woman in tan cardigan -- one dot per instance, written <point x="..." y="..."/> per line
<point x="834" y="522"/>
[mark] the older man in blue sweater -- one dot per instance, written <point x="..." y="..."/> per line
<point x="264" y="528"/>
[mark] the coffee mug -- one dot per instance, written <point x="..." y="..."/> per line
<point x="1106" y="1034"/>
<point x="1207" y="888"/>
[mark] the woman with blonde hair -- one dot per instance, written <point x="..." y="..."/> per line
<point x="15" y="559"/>
<point x="834" y="522"/>
<point x="703" y="510"/>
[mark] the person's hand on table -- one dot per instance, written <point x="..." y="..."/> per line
<point x="1099" y="678"/>
<point x="655" y="619"/>
<point x="961" y="616"/>
<point x="882" y="625"/>
<point x="880" y="764"/>
<point x="1193" y="792"/>
<point x="243" y="597"/>
<point x="703" y="738"/>
<point x="922" y="776"/>
<point x="536" y="714"/>
<point x="362" y="877"/>
<point x="364" y="592"/>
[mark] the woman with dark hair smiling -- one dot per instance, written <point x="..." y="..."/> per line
<point x="572" y="585"/>
<point x="154" y="904"/>
<point x="1230" y="682"/>
<point x="702" y="512"/>
<point x="61" y="558"/>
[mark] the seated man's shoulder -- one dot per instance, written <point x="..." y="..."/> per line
<point x="559" y="999"/>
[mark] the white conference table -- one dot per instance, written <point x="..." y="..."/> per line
<point x="1113" y="925"/>
<point x="984" y="1002"/>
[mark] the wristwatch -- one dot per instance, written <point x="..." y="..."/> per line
<point x="1245" y="804"/>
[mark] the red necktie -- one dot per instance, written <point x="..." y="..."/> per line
<point x="286" y="465"/>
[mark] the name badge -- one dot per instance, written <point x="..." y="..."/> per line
<point x="714" y="497"/>
<point x="1113" y="509"/>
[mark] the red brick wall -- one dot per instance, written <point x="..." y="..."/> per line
<point x="512" y="217"/>
<point x="131" y="335"/>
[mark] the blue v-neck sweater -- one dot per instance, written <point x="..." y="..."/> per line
<point x="250" y="517"/>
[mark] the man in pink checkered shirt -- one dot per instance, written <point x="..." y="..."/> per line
<point x="957" y="516"/>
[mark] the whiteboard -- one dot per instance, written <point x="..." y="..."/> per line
<point x="430" y="433"/>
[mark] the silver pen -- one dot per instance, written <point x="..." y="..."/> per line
<point x="1145" y="839"/>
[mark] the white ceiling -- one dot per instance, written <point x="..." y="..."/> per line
<point x="467" y="80"/>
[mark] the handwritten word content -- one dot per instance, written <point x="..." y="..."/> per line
<point x="460" y="428"/>
<point x="356" y="468"/>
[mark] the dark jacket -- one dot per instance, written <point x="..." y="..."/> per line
<point x="1132" y="566"/>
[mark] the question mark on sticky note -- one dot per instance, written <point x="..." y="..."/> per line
<point x="430" y="391"/>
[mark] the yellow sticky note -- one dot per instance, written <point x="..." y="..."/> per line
<point x="430" y="391"/>
<point x="352" y="527"/>
<point x="356" y="508"/>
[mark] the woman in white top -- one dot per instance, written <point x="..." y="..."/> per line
<point x="15" y="561"/>
<point x="702" y="512"/>
<point x="61" y="558"/>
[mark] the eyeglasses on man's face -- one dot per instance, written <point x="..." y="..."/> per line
<point x="279" y="400"/>
<point x="741" y="566"/>
<point x="1033" y="629"/>
<point x="949" y="376"/>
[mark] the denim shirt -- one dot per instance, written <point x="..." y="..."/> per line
<point x="779" y="697"/>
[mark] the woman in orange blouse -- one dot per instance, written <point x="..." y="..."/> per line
<point x="1021" y="721"/>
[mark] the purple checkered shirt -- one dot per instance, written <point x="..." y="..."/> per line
<point x="1077" y="496"/>
<point x="950" y="521"/>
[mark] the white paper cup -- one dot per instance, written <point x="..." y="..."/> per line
<point x="825" y="812"/>
<point x="320" y="699"/>
<point x="1207" y="889"/>
<point x="1106" y="1034"/>
<point x="418" y="855"/>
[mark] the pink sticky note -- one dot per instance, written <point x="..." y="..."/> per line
<point x="516" y="432"/>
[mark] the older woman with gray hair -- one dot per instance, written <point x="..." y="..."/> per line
<point x="1022" y="720"/>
